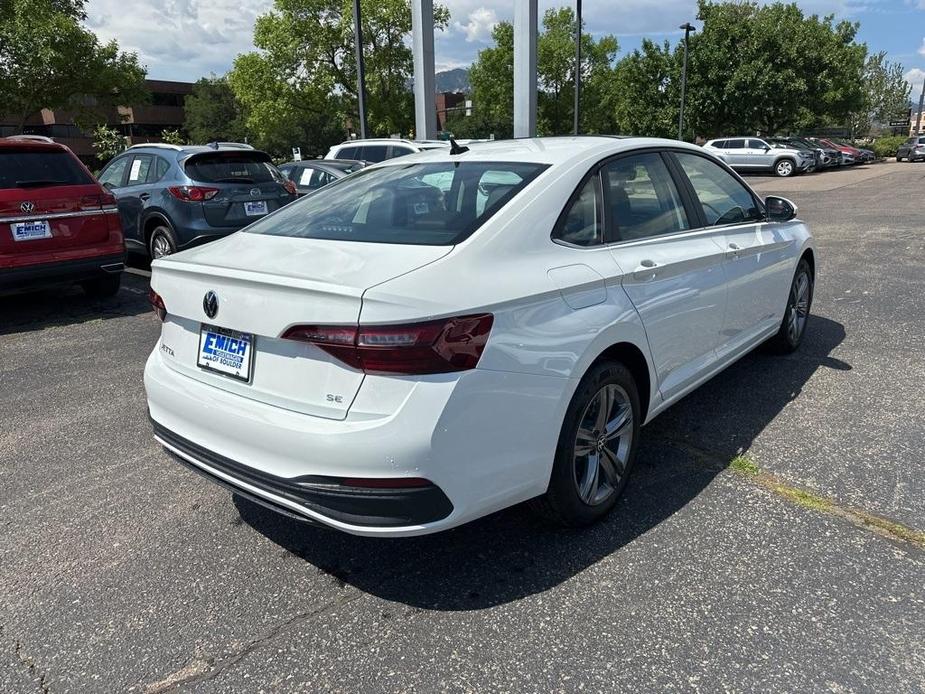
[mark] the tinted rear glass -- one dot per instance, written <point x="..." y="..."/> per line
<point x="428" y="204"/>
<point x="35" y="169"/>
<point x="234" y="167"/>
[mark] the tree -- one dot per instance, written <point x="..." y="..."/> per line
<point x="173" y="137"/>
<point x="492" y="78"/>
<point x="107" y="142"/>
<point x="213" y="114"/>
<point x="886" y="94"/>
<point x="644" y="97"/>
<point x="769" y="68"/>
<point x="48" y="60"/>
<point x="299" y="87"/>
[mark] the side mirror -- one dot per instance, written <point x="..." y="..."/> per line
<point x="766" y="148"/>
<point x="779" y="209"/>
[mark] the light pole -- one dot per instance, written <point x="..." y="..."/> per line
<point x="688" y="28"/>
<point x="918" y="120"/>
<point x="577" y="64"/>
<point x="361" y="71"/>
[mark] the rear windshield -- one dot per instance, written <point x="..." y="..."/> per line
<point x="35" y="169"/>
<point x="429" y="204"/>
<point x="231" y="167"/>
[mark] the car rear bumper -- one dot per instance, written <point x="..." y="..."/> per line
<point x="482" y="440"/>
<point x="61" y="272"/>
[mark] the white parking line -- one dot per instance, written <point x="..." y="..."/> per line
<point x="140" y="273"/>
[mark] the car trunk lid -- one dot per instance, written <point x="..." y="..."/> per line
<point x="265" y="285"/>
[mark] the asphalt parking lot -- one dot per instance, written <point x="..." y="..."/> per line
<point x="770" y="539"/>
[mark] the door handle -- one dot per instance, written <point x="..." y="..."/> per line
<point x="144" y="197"/>
<point x="647" y="271"/>
<point x="733" y="250"/>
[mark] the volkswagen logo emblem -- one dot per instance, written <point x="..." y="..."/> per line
<point x="255" y="192"/>
<point x="27" y="207"/>
<point x="210" y="304"/>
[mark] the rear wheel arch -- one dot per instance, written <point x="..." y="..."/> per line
<point x="633" y="358"/>
<point x="151" y="222"/>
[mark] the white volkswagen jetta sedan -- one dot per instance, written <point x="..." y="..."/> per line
<point x="453" y="332"/>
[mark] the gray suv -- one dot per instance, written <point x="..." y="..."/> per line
<point x="173" y="197"/>
<point x="912" y="149"/>
<point x="754" y="154"/>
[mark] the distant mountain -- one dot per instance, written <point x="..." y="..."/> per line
<point x="456" y="80"/>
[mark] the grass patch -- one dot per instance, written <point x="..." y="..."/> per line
<point x="744" y="466"/>
<point x="804" y="498"/>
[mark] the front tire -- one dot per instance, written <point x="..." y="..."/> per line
<point x="796" y="315"/>
<point x="785" y="168"/>
<point x="596" y="448"/>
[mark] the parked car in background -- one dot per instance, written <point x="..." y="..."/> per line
<point x="817" y="156"/>
<point x="825" y="157"/>
<point x="849" y="155"/>
<point x="312" y="174"/>
<point x="172" y="197"/>
<point x="57" y="223"/>
<point x="434" y="339"/>
<point x="912" y="149"/>
<point x="376" y="150"/>
<point x="755" y="154"/>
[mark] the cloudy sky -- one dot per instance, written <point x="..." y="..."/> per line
<point x="185" y="39"/>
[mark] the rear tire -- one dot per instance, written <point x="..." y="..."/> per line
<point x="596" y="448"/>
<point x="796" y="315"/>
<point x="162" y="242"/>
<point x="102" y="287"/>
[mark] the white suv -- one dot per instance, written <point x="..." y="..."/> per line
<point x="376" y="150"/>
<point x="754" y="154"/>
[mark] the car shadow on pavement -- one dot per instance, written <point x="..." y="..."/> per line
<point x="68" y="305"/>
<point x="512" y="554"/>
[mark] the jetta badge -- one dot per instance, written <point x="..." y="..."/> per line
<point x="210" y="304"/>
<point x="27" y="207"/>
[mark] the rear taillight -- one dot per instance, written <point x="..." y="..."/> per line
<point x="192" y="193"/>
<point x="107" y="199"/>
<point x="157" y="303"/>
<point x="441" y="346"/>
<point x="290" y="187"/>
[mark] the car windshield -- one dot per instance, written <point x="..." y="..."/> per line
<point x="231" y="167"/>
<point x="436" y="204"/>
<point x="38" y="168"/>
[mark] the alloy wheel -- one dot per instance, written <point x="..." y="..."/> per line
<point x="784" y="168"/>
<point x="602" y="445"/>
<point x="799" y="307"/>
<point x="160" y="246"/>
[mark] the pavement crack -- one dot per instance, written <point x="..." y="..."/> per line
<point x="205" y="669"/>
<point x="34" y="670"/>
<point x="745" y="468"/>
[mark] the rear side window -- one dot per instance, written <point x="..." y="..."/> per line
<point x="643" y="198"/>
<point x="437" y="204"/>
<point x="735" y="144"/>
<point x="230" y="167"/>
<point x="373" y="153"/>
<point x="37" y="168"/>
<point x="315" y="178"/>
<point x="583" y="223"/>
<point x="347" y="153"/>
<point x="399" y="151"/>
<point x="161" y="167"/>
<point x="719" y="144"/>
<point x="724" y="200"/>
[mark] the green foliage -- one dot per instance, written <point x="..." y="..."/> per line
<point x="213" y="114"/>
<point x="299" y="87"/>
<point x="645" y="94"/>
<point x="107" y="142"/>
<point x="173" y="137"/>
<point x="492" y="80"/>
<point x="887" y="146"/>
<point x="886" y="94"/>
<point x="48" y="60"/>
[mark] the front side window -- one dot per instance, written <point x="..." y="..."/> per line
<point x="735" y="144"/>
<point x="437" y="204"/>
<point x="724" y="200"/>
<point x="112" y="175"/>
<point x="347" y="153"/>
<point x="583" y="223"/>
<point x="642" y="197"/>
<point x="757" y="144"/>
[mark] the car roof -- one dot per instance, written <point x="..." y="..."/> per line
<point x="31" y="142"/>
<point x="392" y="141"/>
<point x="556" y="150"/>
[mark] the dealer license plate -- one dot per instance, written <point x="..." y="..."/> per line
<point x="227" y="352"/>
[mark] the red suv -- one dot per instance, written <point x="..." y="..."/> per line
<point x="57" y="223"/>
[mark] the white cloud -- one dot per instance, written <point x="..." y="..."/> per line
<point x="915" y="77"/>
<point x="922" y="48"/>
<point x="480" y="25"/>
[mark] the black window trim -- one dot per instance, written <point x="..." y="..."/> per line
<point x="128" y="169"/>
<point x="683" y="185"/>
